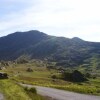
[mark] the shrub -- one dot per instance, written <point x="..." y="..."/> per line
<point x="26" y="88"/>
<point x="29" y="70"/>
<point x="54" y="76"/>
<point x="3" y="75"/>
<point x="75" y="76"/>
<point x="32" y="90"/>
<point x="88" y="75"/>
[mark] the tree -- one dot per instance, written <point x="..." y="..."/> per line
<point x="75" y="76"/>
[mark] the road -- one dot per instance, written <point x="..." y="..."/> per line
<point x="56" y="94"/>
<point x="1" y="97"/>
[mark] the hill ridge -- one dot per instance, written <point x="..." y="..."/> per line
<point x="65" y="51"/>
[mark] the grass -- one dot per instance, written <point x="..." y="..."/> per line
<point x="13" y="91"/>
<point x="80" y="89"/>
<point x="86" y="88"/>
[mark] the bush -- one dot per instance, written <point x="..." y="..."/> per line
<point x="26" y="88"/>
<point x="29" y="70"/>
<point x="88" y="75"/>
<point x="32" y="90"/>
<point x="3" y="75"/>
<point x="75" y="76"/>
<point x="54" y="76"/>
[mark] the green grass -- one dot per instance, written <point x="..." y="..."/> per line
<point x="13" y="91"/>
<point x="80" y="89"/>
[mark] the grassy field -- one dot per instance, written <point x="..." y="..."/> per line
<point x="13" y="91"/>
<point x="42" y="76"/>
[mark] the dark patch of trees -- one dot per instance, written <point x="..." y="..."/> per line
<point x="75" y="76"/>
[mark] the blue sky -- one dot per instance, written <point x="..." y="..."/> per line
<point x="69" y="18"/>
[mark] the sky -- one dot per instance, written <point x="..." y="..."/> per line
<point x="68" y="18"/>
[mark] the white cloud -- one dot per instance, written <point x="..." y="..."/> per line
<point x="56" y="17"/>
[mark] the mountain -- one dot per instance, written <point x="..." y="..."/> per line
<point x="38" y="45"/>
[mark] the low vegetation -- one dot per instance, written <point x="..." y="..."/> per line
<point x="13" y="91"/>
<point x="58" y="78"/>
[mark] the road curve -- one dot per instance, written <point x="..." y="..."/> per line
<point x="1" y="97"/>
<point x="56" y="94"/>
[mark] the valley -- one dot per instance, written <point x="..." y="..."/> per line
<point x="40" y="75"/>
<point x="37" y="59"/>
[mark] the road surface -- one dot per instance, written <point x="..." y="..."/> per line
<point x="56" y="94"/>
<point x="1" y="97"/>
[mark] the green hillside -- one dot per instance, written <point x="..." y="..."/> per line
<point x="38" y="45"/>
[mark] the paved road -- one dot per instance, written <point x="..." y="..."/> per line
<point x="56" y="94"/>
<point x="1" y="97"/>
